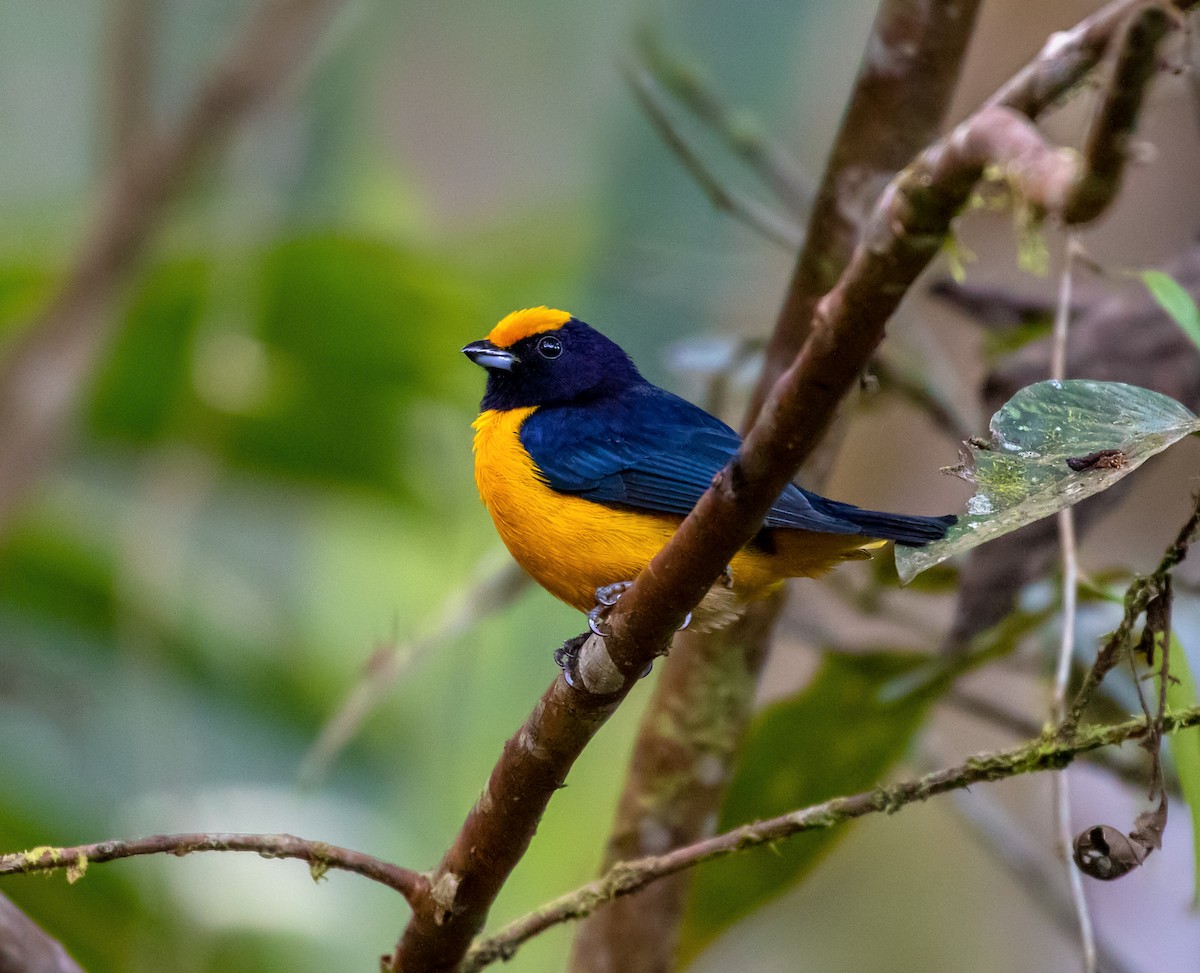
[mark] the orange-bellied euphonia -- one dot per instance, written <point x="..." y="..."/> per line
<point x="587" y="469"/>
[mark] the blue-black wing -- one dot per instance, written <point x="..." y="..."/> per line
<point x="646" y="449"/>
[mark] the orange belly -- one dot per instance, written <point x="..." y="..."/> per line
<point x="573" y="546"/>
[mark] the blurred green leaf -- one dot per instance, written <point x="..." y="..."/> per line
<point x="144" y="380"/>
<point x="299" y="361"/>
<point x="839" y="736"/>
<point x="48" y="573"/>
<point x="1038" y="439"/>
<point x="22" y="289"/>
<point x="1176" y="301"/>
<point x="1185" y="745"/>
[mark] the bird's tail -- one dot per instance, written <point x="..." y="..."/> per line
<point x="907" y="529"/>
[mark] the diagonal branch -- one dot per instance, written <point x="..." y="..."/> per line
<point x="320" y="856"/>
<point x="906" y="230"/>
<point x="1045" y="753"/>
<point x="693" y="727"/>
<point x="27" y="948"/>
<point x="43" y="372"/>
<point x="909" y="72"/>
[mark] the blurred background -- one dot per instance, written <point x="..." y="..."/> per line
<point x="269" y="481"/>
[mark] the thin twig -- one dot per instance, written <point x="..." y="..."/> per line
<point x="939" y="408"/>
<point x="1036" y="872"/>
<point x="762" y="219"/>
<point x="1060" y="783"/>
<point x="131" y="50"/>
<point x="494" y="590"/>
<point x="1131" y="770"/>
<point x="1137" y="597"/>
<point x="985" y="707"/>
<point x="1112" y="126"/>
<point x="778" y="171"/>
<point x="320" y="856"/>
<point x="1045" y="753"/>
<point x="1068" y="57"/>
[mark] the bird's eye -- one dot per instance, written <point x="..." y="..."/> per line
<point x="549" y="346"/>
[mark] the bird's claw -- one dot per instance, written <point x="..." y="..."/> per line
<point x="566" y="657"/>
<point x="594" y="617"/>
<point x="609" y="594"/>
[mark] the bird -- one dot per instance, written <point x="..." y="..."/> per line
<point x="587" y="469"/>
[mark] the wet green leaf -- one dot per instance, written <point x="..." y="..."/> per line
<point x="1052" y="445"/>
<point x="1176" y="301"/>
<point x="1185" y="745"/>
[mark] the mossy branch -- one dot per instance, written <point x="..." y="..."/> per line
<point x="321" y="857"/>
<point x="1048" y="752"/>
<point x="906" y="230"/>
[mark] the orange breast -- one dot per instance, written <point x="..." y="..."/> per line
<point x="570" y="546"/>
<point x="573" y="546"/>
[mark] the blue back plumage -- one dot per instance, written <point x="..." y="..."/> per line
<point x="646" y="449"/>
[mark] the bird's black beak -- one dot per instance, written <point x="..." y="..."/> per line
<point x="487" y="355"/>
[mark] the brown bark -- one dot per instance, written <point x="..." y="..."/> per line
<point x="681" y="765"/>
<point x="1042" y="754"/>
<point x="26" y="948"/>
<point x="690" y="735"/>
<point x="906" y="230"/>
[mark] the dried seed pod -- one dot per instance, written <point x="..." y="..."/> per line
<point x="1105" y="853"/>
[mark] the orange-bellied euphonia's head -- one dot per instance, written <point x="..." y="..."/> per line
<point x="540" y="356"/>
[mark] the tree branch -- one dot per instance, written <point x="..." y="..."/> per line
<point x="130" y="56"/>
<point x="1010" y="846"/>
<point x="907" y="229"/>
<point x="26" y="948"/>
<point x="495" y="589"/>
<point x="775" y="167"/>
<point x="1045" y="753"/>
<point x="320" y="856"/>
<point x="909" y="72"/>
<point x="692" y="729"/>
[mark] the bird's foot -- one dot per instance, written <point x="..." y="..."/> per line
<point x="607" y="595"/>
<point x="566" y="657"/>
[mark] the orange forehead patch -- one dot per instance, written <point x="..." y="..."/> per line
<point x="521" y="324"/>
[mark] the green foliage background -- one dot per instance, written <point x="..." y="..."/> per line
<point x="272" y="475"/>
